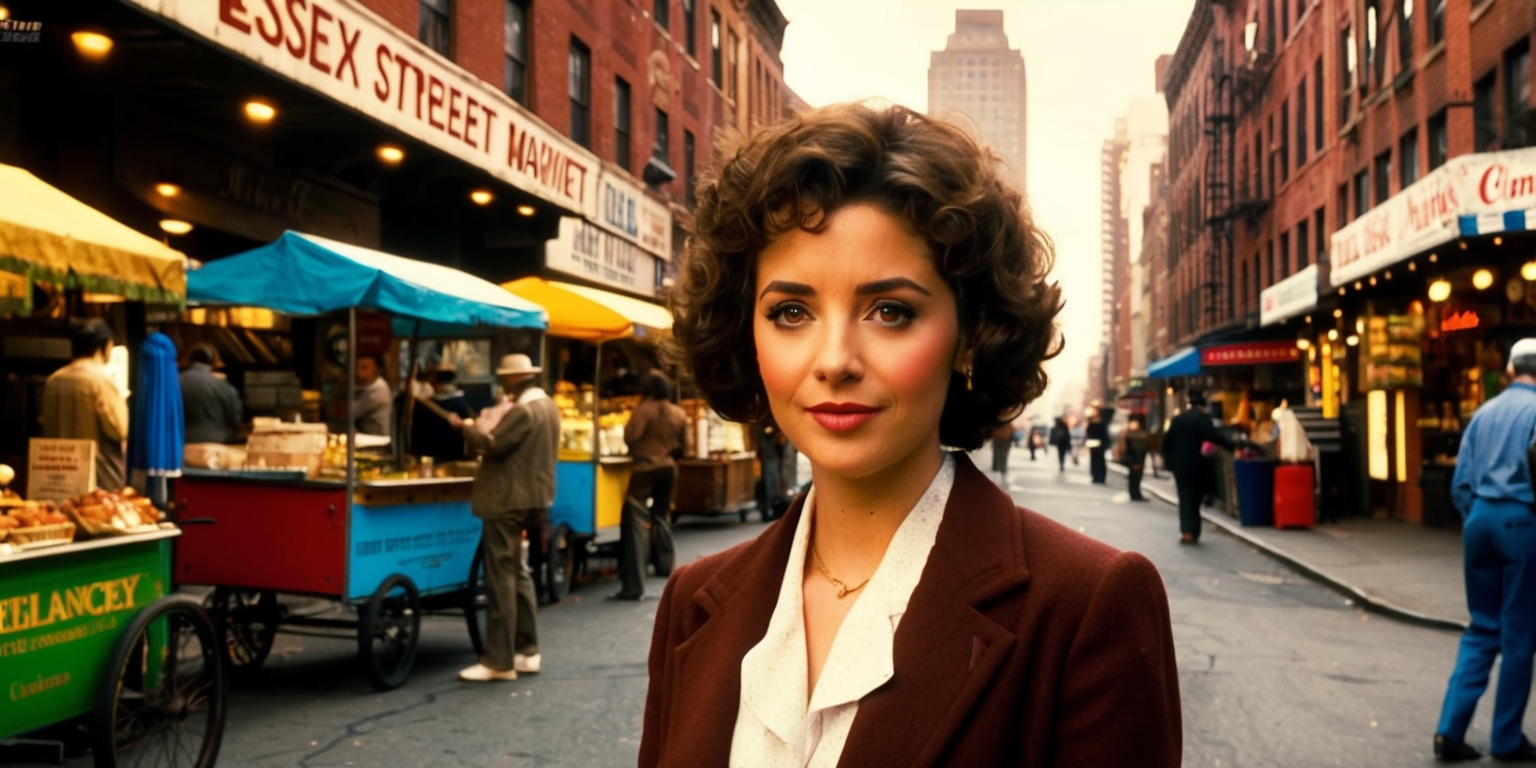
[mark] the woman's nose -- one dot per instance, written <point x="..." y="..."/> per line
<point x="840" y="358"/>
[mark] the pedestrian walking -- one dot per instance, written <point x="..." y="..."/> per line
<point x="1079" y="439"/>
<point x="81" y="402"/>
<point x="1036" y="439"/>
<point x="1132" y="452"/>
<point x="851" y="232"/>
<point x="1002" y="441"/>
<point x="518" y="441"/>
<point x="1061" y="440"/>
<point x="1491" y="488"/>
<point x="1190" y="438"/>
<point x="1097" y="441"/>
<point x="656" y="435"/>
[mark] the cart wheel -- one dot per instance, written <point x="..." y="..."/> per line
<point x="475" y="605"/>
<point x="559" y="564"/>
<point x="248" y="621"/>
<point x="388" y="630"/>
<point x="161" y="702"/>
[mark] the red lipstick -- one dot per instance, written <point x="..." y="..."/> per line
<point x="841" y="417"/>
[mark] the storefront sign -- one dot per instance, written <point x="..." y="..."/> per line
<point x="346" y="52"/>
<point x="1460" y="321"/>
<point x="60" y="617"/>
<point x="1254" y="353"/>
<point x="627" y="211"/>
<point x="1289" y="297"/>
<point x="1426" y="214"/>
<point x="60" y="469"/>
<point x="585" y="250"/>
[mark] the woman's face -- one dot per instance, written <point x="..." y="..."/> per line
<point x="857" y="335"/>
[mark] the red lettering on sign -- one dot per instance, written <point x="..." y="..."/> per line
<point x="453" y="111"/>
<point x="1460" y="321"/>
<point x="381" y="85"/>
<point x="227" y="11"/>
<point x="274" y="36"/>
<point x="471" y="107"/>
<point x="318" y="39"/>
<point x="348" y="51"/>
<point x="298" y="26"/>
<point x="434" y="101"/>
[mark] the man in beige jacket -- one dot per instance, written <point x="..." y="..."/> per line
<point x="518" y="441"/>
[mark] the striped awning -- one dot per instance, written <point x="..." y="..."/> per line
<point x="1473" y="224"/>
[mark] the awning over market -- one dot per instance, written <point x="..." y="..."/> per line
<point x="48" y="237"/>
<point x="1185" y="362"/>
<point x="579" y="312"/>
<point x="301" y="274"/>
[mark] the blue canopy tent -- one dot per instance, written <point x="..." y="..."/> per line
<point x="1185" y="362"/>
<point x="307" y="275"/>
<point x="156" y="432"/>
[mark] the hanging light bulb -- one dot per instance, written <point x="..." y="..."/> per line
<point x="1439" y="290"/>
<point x="1528" y="271"/>
<point x="1481" y="279"/>
<point x="1333" y="334"/>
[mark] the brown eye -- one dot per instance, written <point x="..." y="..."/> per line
<point x="893" y="313"/>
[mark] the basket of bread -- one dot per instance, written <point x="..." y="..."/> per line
<point x="112" y="513"/>
<point x="34" y="523"/>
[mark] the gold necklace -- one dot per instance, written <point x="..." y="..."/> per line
<point x="842" y="589"/>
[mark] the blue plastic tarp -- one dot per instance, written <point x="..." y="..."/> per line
<point x="301" y="274"/>
<point x="1185" y="362"/>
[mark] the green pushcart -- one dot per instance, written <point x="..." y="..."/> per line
<point x="89" y="632"/>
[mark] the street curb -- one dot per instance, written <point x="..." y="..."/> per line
<point x="1224" y="522"/>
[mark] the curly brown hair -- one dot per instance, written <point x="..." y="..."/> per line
<point x="931" y="175"/>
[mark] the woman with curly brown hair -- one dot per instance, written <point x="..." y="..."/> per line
<point x="865" y="277"/>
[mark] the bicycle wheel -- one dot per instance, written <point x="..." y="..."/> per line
<point x="162" y="701"/>
<point x="475" y="605"/>
<point x="388" y="630"/>
<point x="248" y="620"/>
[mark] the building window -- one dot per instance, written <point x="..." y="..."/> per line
<point x="662" y="149"/>
<point x="1517" y="94"/>
<point x="1346" y="73"/>
<point x="1439" y="146"/>
<point x="1343" y="204"/>
<point x="1269" y="26"/>
<point x="1269" y="264"/>
<point x="1485" y="131"/>
<point x="1258" y="164"/>
<point x="1303" y="257"/>
<point x="1242" y="271"/>
<point x="716" y="64"/>
<point x="621" y="107"/>
<point x="1436" y="22"/>
<point x="515" y="48"/>
<point x="730" y="64"/>
<point x="1408" y="159"/>
<point x="1285" y="21"/>
<point x="581" y="93"/>
<point x="661" y="11"/>
<point x="1317" y="105"/>
<point x="1383" y="168"/>
<point x="1319" y="225"/>
<point x="1285" y="140"/>
<point x="1404" y="35"/>
<point x="1273" y="173"/>
<point x="432" y="25"/>
<point x="1285" y="255"/>
<point x="1373" y="55"/>
<point x="688" y="168"/>
<point x="691" y="28"/>
<point x="1362" y="193"/>
<point x="1301" y="124"/>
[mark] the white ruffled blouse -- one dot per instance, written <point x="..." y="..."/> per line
<point x="778" y="723"/>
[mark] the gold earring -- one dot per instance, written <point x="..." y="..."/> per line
<point x="967" y="378"/>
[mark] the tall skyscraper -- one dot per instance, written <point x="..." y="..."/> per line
<point x="977" y="75"/>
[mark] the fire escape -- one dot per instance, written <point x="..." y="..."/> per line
<point x="1221" y="204"/>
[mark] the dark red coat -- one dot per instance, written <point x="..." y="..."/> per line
<point x="1024" y="644"/>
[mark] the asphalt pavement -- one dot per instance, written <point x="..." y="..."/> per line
<point x="1276" y="669"/>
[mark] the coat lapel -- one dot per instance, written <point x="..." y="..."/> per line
<point x="734" y="609"/>
<point x="947" y="648"/>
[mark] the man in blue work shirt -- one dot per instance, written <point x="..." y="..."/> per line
<point x="1492" y="490"/>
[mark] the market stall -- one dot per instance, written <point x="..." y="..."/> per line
<point x="321" y="514"/>
<point x="593" y="471"/>
<point x="87" y="626"/>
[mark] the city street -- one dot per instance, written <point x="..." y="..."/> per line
<point x="1275" y="670"/>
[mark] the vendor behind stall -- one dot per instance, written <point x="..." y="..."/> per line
<point x="431" y="433"/>
<point x="211" y="404"/>
<point x="370" y="405"/>
<point x="80" y="401"/>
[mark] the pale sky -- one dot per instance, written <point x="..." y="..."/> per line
<point x="1084" y="60"/>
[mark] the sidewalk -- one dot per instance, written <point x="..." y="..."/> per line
<point x="1407" y="571"/>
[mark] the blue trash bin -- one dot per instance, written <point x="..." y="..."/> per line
<point x="1255" y="491"/>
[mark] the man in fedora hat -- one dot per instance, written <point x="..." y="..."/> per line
<point x="518" y="441"/>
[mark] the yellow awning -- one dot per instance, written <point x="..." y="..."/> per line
<point x="579" y="312"/>
<point x="50" y="237"/>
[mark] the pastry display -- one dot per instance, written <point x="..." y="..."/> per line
<point x="112" y="511"/>
<point x="32" y="514"/>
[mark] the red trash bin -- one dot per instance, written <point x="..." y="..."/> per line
<point x="1295" y="499"/>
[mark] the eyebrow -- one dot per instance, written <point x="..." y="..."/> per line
<point x="878" y="286"/>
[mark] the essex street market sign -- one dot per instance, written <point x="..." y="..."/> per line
<point x="1289" y="297"/>
<point x="633" y="215"/>
<point x="346" y="52"/>
<point x="1426" y="214"/>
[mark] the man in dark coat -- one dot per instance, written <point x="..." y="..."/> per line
<point x="1098" y="442"/>
<point x="1182" y="444"/>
